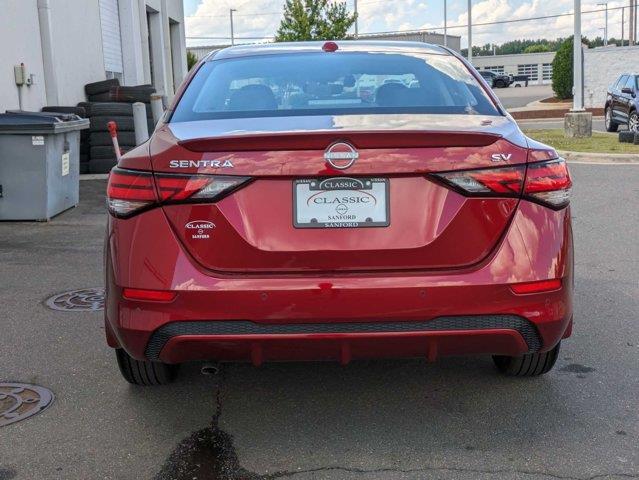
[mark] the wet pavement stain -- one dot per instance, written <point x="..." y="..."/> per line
<point x="7" y="473"/>
<point x="207" y="454"/>
<point x="576" y="368"/>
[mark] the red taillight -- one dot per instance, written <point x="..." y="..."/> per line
<point x="549" y="182"/>
<point x="546" y="182"/>
<point x="506" y="182"/>
<point x="148" y="295"/>
<point x="196" y="188"/>
<point x="536" y="287"/>
<point x="130" y="191"/>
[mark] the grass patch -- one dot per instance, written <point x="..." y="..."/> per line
<point x="598" y="143"/>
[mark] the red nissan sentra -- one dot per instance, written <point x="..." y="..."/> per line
<point x="337" y="201"/>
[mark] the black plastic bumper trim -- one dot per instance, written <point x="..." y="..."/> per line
<point x="241" y="327"/>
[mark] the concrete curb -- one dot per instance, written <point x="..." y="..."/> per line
<point x="94" y="176"/>
<point x="601" y="158"/>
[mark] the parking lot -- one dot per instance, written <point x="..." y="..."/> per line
<point x="456" y="418"/>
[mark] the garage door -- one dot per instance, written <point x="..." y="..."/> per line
<point x="111" y="39"/>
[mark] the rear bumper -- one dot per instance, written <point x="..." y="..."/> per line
<point x="341" y="317"/>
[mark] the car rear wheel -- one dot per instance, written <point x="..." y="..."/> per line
<point x="143" y="372"/>
<point x="611" y="126"/>
<point x="528" y="365"/>
<point x="500" y="84"/>
<point x="633" y="122"/>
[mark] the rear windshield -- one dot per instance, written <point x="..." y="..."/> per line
<point x="332" y="84"/>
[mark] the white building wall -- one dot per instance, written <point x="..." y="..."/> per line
<point x="602" y="66"/>
<point x="511" y="64"/>
<point x="20" y="43"/>
<point x="77" y="45"/>
<point x="78" y="48"/>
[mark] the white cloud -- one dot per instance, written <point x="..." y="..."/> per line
<point x="260" y="18"/>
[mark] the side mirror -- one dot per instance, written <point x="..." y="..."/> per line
<point x="628" y="90"/>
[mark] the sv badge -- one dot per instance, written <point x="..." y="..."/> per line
<point x="501" y="157"/>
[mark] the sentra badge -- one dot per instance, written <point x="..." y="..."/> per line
<point x="200" y="164"/>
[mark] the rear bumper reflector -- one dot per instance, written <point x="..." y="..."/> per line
<point x="148" y="295"/>
<point x="536" y="287"/>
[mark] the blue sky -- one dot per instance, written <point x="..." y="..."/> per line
<point x="260" y="18"/>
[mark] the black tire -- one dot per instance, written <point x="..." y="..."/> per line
<point x="140" y="93"/>
<point x="528" y="365"/>
<point x="101" y="87"/>
<point x="144" y="373"/>
<point x="611" y="125"/>
<point x="104" y="138"/>
<point x="99" y="124"/>
<point x="84" y="147"/>
<point x="116" y="108"/>
<point x="100" y="97"/>
<point x="84" y="168"/>
<point x="102" y="153"/>
<point x="626" y="137"/>
<point x="84" y="158"/>
<point x="86" y="106"/>
<point x="500" y="84"/>
<point x="102" y="165"/>
<point x="81" y="112"/>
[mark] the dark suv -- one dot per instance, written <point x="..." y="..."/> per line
<point x="496" y="80"/>
<point x="622" y="103"/>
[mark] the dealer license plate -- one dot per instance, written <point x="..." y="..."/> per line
<point x="341" y="202"/>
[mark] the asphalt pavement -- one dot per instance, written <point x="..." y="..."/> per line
<point x="513" y="97"/>
<point x="406" y="419"/>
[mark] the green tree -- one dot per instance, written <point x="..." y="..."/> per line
<point x="314" y="20"/>
<point x="191" y="60"/>
<point x="562" y="71"/>
<point x="538" y="48"/>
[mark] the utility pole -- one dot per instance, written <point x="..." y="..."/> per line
<point x="623" y="23"/>
<point x="631" y="26"/>
<point x="578" y="122"/>
<point x="231" y="10"/>
<point x="445" y="23"/>
<point x="356" y="19"/>
<point x="578" y="94"/>
<point x="605" y="4"/>
<point x="470" y="31"/>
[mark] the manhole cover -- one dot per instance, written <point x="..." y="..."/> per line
<point x="88" y="299"/>
<point x="21" y="400"/>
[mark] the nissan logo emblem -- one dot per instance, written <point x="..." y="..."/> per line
<point x="341" y="155"/>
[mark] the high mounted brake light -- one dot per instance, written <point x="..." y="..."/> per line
<point x="130" y="191"/>
<point x="547" y="182"/>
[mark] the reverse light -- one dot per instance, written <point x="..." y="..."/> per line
<point x="131" y="191"/>
<point x="536" y="287"/>
<point x="148" y="295"/>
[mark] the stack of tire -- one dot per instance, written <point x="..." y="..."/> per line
<point x="108" y="101"/>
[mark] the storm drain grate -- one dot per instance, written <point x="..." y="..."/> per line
<point x="87" y="299"/>
<point x="21" y="400"/>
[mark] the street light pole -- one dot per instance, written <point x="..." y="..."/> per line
<point x="356" y="19"/>
<point x="470" y="31"/>
<point x="445" y="23"/>
<point x="231" y="10"/>
<point x="578" y="94"/>
<point x="605" y="4"/>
